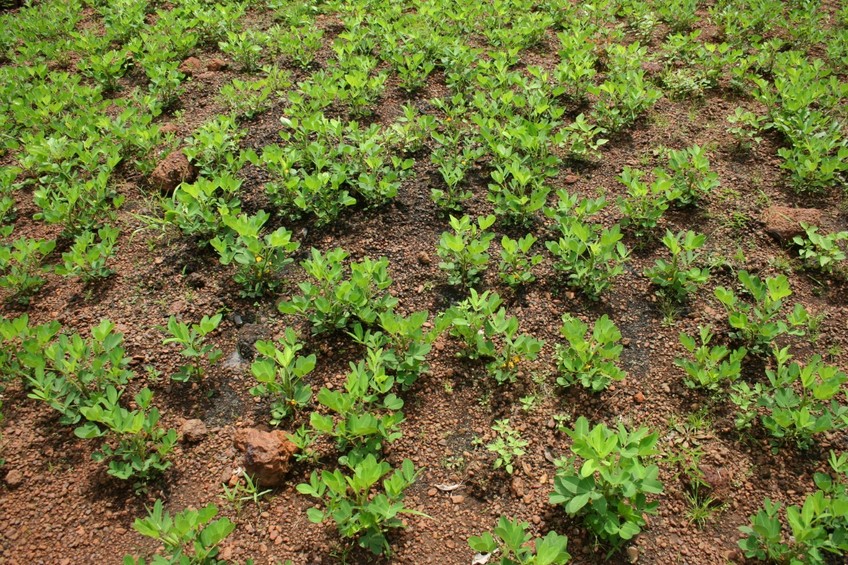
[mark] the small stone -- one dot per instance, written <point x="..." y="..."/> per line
<point x="423" y="258"/>
<point x="571" y="179"/>
<point x="432" y="492"/>
<point x="177" y="307"/>
<point x="632" y="554"/>
<point x="517" y="487"/>
<point x="733" y="556"/>
<point x="536" y="519"/>
<point x="639" y="397"/>
<point x="192" y="431"/>
<point x="14" y="479"/>
<point x="457" y="498"/>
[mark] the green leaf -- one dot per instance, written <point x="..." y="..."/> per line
<point x="483" y="544"/>
<point x="315" y="516"/>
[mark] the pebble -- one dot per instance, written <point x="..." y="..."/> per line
<point x="14" y="478"/>
<point x="632" y="554"/>
<point x="432" y="492"/>
<point x="518" y="487"/>
<point x="639" y="397"/>
<point x="193" y="431"/>
<point x="457" y="498"/>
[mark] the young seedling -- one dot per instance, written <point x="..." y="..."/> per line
<point x="691" y="174"/>
<point x="678" y="278"/>
<point x="334" y="301"/>
<point x="589" y="255"/>
<point x="20" y="265"/>
<point x="280" y="375"/>
<point x="712" y="367"/>
<point x="71" y="372"/>
<point x="606" y="480"/>
<point x="645" y="203"/>
<point x="87" y="259"/>
<point x="801" y="401"/>
<point x="591" y="360"/>
<point x="815" y="528"/>
<point x="516" y="261"/>
<point x="823" y="253"/>
<point x="758" y="325"/>
<point x="188" y="537"/>
<point x="360" y="515"/>
<point x="508" y="445"/>
<point x="510" y="545"/>
<point x="143" y="446"/>
<point x="259" y="258"/>
<point x="191" y="338"/>
<point x="465" y="252"/>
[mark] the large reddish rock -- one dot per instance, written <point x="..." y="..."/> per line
<point x="717" y="482"/>
<point x="192" y="66"/>
<point x="267" y="455"/>
<point x="172" y="171"/>
<point x="216" y="65"/>
<point x="784" y="223"/>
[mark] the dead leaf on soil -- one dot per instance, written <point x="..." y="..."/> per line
<point x="481" y="558"/>
<point x="449" y="488"/>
